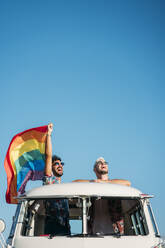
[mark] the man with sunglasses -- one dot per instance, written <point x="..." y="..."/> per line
<point x="105" y="215"/>
<point x="101" y="171"/>
<point x="57" y="211"/>
<point x="56" y="171"/>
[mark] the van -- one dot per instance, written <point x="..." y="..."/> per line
<point x="99" y="215"/>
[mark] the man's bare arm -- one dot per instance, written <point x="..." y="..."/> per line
<point x="48" y="151"/>
<point x="115" y="181"/>
<point x="120" y="181"/>
<point x="81" y="180"/>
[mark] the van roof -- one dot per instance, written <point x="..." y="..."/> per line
<point x="75" y="189"/>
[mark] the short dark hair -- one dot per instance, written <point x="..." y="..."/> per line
<point x="55" y="158"/>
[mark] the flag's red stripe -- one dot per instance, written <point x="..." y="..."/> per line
<point x="10" y="176"/>
<point x="42" y="129"/>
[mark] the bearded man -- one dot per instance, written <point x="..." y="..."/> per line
<point x="101" y="171"/>
<point x="105" y="215"/>
<point x="57" y="211"/>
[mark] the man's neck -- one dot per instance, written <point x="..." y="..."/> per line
<point x="58" y="179"/>
<point x="103" y="177"/>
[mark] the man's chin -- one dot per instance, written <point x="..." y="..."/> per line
<point x="103" y="172"/>
<point x="58" y="174"/>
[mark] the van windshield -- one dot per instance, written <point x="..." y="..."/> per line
<point x="84" y="216"/>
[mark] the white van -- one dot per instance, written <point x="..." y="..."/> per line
<point x="131" y="217"/>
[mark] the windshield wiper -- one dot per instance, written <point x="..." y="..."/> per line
<point x="81" y="235"/>
<point x="56" y="235"/>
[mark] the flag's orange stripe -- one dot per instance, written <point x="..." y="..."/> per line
<point x="39" y="136"/>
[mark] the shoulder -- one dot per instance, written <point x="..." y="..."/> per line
<point x="49" y="180"/>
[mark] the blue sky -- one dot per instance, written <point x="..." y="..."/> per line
<point x="96" y="70"/>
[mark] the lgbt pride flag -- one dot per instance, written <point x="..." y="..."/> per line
<point x="25" y="160"/>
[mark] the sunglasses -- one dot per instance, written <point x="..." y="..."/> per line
<point x="57" y="163"/>
<point x="106" y="163"/>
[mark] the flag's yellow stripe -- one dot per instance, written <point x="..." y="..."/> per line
<point x="27" y="146"/>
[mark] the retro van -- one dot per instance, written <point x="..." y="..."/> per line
<point x="99" y="215"/>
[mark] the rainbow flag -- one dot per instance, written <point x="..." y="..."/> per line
<point x="25" y="160"/>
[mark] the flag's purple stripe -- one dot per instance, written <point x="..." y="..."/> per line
<point x="37" y="175"/>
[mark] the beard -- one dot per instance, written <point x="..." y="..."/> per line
<point x="57" y="174"/>
<point x="101" y="172"/>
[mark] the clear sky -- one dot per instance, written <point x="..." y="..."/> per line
<point x="95" y="68"/>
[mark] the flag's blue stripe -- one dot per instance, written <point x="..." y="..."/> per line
<point x="34" y="166"/>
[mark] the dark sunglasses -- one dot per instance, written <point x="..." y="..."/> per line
<point x="57" y="163"/>
<point x="100" y="162"/>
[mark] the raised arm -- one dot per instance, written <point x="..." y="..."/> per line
<point x="48" y="151"/>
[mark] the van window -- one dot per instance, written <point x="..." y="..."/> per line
<point x="58" y="216"/>
<point x="103" y="215"/>
<point x="152" y="219"/>
<point x="116" y="215"/>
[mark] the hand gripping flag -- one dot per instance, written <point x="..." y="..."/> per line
<point x="25" y="160"/>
